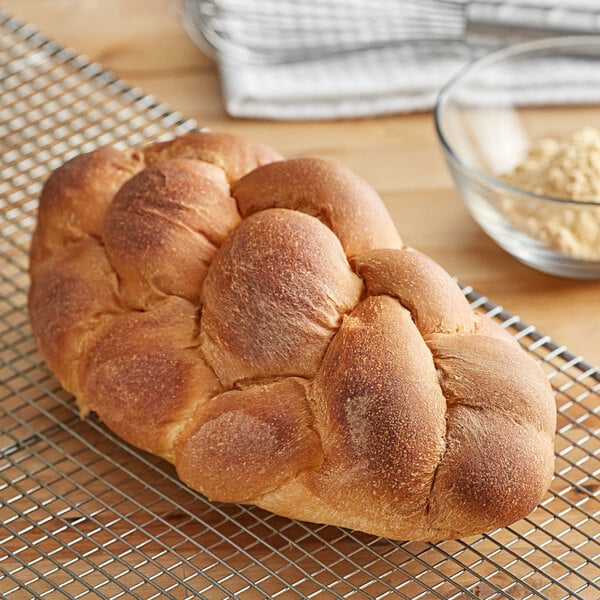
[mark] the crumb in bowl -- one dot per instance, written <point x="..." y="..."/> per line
<point x="567" y="169"/>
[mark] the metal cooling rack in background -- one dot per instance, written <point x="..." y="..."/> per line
<point x="83" y="515"/>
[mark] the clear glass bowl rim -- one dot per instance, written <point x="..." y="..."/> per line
<point x="523" y="48"/>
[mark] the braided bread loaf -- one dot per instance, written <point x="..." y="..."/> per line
<point x="259" y="323"/>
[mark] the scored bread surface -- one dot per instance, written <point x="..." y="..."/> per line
<point x="259" y="323"/>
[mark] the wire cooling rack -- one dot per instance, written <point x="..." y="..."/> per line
<point x="84" y="515"/>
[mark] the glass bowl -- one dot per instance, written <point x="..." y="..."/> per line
<point x="493" y="113"/>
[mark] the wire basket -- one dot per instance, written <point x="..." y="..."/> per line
<point x="84" y="515"/>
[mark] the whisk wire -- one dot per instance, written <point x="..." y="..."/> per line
<point x="280" y="31"/>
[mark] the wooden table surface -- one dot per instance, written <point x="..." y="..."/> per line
<point x="142" y="42"/>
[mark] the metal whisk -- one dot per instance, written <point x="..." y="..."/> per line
<point x="280" y="31"/>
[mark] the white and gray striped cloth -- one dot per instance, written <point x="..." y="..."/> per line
<point x="328" y="59"/>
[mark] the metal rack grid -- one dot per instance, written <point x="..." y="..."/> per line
<point x="84" y="515"/>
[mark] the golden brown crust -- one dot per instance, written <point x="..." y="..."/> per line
<point x="476" y="373"/>
<point x="144" y="376"/>
<point x="494" y="471"/>
<point x="274" y="313"/>
<point x="175" y="212"/>
<point x="246" y="443"/>
<point x="420" y="284"/>
<point x="258" y="323"/>
<point x="233" y="154"/>
<point x="381" y="415"/>
<point x="347" y="204"/>
<point x="76" y="196"/>
<point x="72" y="293"/>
